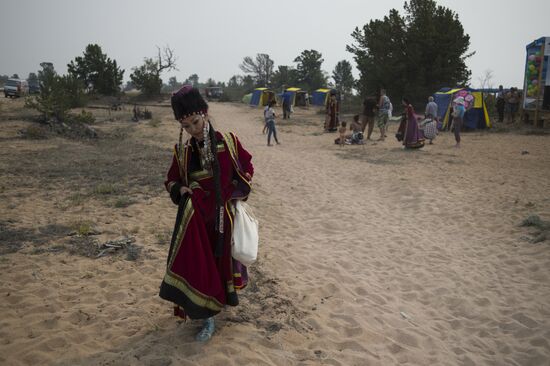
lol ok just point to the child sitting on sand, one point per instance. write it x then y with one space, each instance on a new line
342 132
356 131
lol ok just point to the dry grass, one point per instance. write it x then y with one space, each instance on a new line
111 171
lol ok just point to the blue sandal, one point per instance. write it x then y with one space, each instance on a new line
207 330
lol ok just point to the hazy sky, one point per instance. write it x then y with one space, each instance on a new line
211 37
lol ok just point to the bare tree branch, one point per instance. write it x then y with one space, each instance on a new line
261 68
166 61
485 81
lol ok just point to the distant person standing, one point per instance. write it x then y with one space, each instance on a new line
369 112
429 126
270 123
431 109
384 107
286 105
332 110
458 118
501 103
512 102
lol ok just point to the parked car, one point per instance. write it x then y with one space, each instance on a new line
16 88
34 88
213 92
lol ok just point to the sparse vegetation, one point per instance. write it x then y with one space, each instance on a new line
77 199
34 132
162 237
106 189
83 118
132 252
83 228
155 122
141 114
58 94
123 201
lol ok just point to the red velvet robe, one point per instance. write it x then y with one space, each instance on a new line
332 109
197 281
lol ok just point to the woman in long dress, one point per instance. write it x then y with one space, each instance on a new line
332 111
412 136
208 172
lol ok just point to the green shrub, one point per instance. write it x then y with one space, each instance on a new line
122 202
106 189
84 117
34 133
83 228
58 94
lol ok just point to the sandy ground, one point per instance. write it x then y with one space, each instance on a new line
370 255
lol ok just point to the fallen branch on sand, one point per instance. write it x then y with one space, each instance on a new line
127 243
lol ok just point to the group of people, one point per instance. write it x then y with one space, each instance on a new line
413 130
507 102
373 110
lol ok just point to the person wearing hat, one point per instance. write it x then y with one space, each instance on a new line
207 173
458 118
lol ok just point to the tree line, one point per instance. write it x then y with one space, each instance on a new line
412 54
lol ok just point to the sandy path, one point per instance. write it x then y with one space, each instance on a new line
369 256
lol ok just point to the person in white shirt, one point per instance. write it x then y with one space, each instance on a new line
269 115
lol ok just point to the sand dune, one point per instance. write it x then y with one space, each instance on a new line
370 255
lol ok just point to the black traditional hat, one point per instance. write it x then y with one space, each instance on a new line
187 102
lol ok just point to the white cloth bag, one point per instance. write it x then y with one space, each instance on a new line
245 235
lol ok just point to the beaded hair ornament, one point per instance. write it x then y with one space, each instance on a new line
186 102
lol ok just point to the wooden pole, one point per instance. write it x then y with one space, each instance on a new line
539 86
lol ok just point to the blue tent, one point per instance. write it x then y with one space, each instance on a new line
294 96
320 96
286 97
261 96
475 117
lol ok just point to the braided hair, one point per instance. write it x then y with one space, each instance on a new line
186 102
218 191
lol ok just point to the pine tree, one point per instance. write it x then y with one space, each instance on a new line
309 73
412 55
98 72
343 78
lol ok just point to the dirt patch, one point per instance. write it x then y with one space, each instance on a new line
90 247
267 308
13 238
